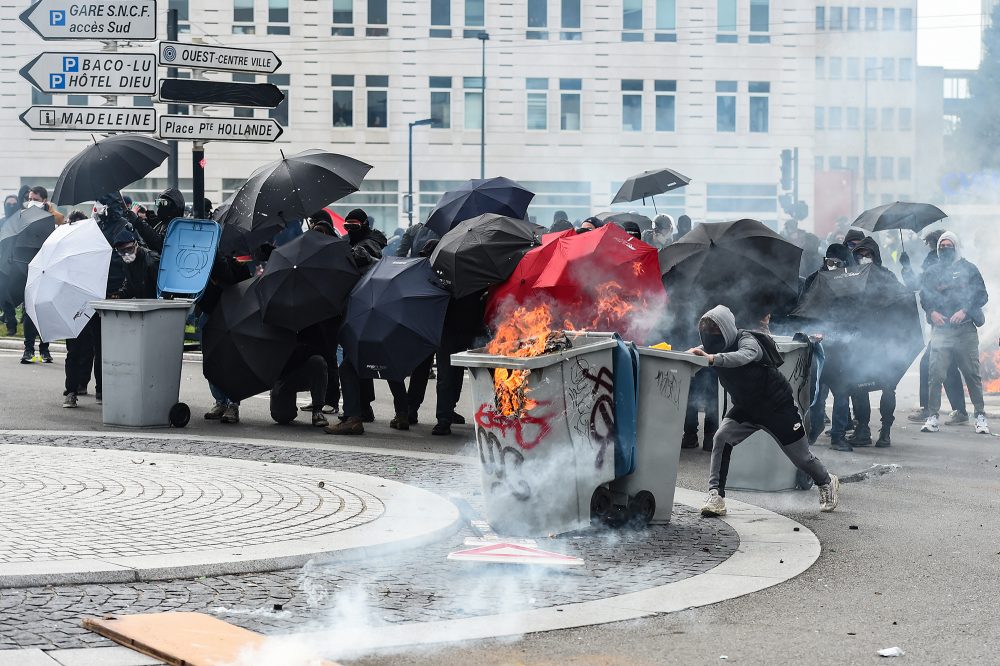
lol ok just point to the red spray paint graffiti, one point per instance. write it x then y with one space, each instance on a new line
528 430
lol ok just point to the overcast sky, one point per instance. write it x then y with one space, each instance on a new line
948 33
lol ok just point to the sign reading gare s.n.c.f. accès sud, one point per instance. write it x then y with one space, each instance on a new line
133 20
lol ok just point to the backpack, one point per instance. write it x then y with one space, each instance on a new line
772 356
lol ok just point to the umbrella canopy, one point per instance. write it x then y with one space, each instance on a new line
292 188
899 215
621 218
483 251
500 196
68 273
21 236
833 295
108 165
519 287
394 318
241 354
307 281
743 265
649 183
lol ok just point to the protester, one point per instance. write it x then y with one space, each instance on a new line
413 241
463 321
746 363
38 197
953 295
560 225
9 309
395 240
304 371
683 226
853 238
662 233
632 229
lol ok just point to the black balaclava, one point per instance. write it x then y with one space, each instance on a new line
10 205
169 204
356 224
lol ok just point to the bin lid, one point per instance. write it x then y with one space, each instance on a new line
673 355
188 254
786 343
142 304
478 358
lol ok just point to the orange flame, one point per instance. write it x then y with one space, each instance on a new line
522 335
613 308
637 268
990 364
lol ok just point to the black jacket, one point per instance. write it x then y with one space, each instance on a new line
367 246
948 288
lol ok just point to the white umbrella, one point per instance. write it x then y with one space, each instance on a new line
69 272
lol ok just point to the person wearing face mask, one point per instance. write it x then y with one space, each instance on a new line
853 238
38 197
10 205
747 365
953 295
9 317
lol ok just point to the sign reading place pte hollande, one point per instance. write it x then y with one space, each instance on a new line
133 20
218 58
93 73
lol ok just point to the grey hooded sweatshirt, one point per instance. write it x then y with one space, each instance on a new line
747 351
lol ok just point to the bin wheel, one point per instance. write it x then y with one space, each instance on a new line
179 415
641 508
600 505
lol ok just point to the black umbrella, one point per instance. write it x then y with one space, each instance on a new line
500 196
292 188
307 281
21 236
621 218
836 295
241 354
648 184
394 318
483 251
899 215
742 264
106 166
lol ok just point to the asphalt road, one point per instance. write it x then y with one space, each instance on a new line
921 571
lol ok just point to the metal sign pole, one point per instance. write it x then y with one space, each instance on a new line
172 159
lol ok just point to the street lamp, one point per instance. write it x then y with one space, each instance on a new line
864 166
409 207
483 37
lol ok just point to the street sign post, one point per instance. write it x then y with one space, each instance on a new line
93 73
207 128
218 58
220 93
105 20
90 119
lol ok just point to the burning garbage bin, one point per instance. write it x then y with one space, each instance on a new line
758 463
546 430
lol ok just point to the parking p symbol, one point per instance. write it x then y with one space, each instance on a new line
71 64
57 81
57 17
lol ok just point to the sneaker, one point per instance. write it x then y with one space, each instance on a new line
69 402
441 429
331 409
46 356
214 414
982 427
306 408
861 437
840 444
231 413
931 424
27 356
715 505
457 419
957 418
829 495
319 420
352 426
918 415
400 422
689 440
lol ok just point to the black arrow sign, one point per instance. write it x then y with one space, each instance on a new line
197 91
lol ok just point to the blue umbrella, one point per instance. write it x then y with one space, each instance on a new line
500 196
394 318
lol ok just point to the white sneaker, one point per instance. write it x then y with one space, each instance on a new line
715 505
931 424
829 495
982 427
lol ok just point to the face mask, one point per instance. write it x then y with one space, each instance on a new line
946 254
355 231
128 258
834 264
34 204
99 209
863 261
713 342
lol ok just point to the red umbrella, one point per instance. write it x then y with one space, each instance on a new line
337 221
519 287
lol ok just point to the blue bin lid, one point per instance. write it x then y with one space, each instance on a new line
188 254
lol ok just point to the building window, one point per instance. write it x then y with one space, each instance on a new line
853 18
569 103
725 106
871 18
473 86
77 100
631 20
905 119
906 69
475 17
440 16
537 108
666 105
820 118
343 18
538 17
242 111
886 168
888 18
759 106
903 166
853 69
666 20
821 17
871 118
38 97
906 19
182 14
142 101
870 168
836 18
281 112
441 101
818 163
760 21
836 163
726 22
377 94
888 118
570 20
741 198
836 68
853 118
871 68
243 17
888 69
835 117
820 67
343 100
378 18
632 105
852 164
277 17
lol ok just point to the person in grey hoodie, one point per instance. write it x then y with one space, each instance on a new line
746 363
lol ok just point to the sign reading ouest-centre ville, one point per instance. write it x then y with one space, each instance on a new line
90 119
93 73
207 128
219 58
108 20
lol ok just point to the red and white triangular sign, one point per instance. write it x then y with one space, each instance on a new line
512 553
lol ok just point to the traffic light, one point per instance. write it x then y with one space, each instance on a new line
786 169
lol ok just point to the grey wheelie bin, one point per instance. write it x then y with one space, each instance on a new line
539 470
758 463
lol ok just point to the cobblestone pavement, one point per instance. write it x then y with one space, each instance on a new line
412 586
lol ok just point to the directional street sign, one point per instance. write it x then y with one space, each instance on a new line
220 58
206 128
132 20
219 93
93 73
90 119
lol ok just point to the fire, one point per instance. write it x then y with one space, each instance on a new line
612 308
523 335
990 368
637 268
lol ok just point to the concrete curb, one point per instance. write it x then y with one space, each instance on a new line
59 348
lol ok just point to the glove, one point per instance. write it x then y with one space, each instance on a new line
361 257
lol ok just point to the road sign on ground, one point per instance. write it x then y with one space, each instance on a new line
220 58
93 73
206 128
90 119
505 552
94 19
220 93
